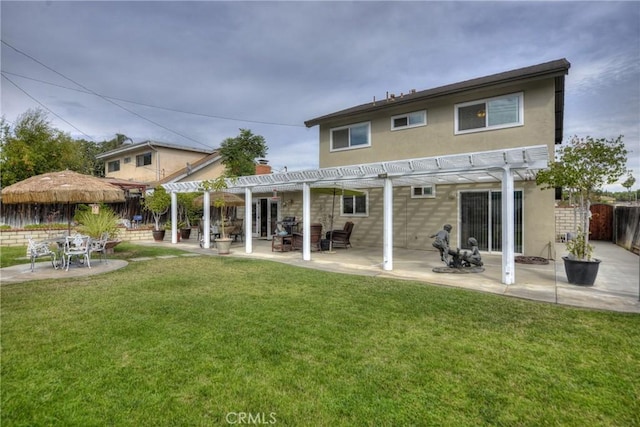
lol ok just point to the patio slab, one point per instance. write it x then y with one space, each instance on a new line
617 287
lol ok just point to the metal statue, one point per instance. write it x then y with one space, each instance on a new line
457 261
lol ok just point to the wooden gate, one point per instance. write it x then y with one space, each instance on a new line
601 225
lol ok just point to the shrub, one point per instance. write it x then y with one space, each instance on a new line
94 225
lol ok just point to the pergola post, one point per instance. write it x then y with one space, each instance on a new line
306 221
508 228
248 204
174 217
206 227
387 239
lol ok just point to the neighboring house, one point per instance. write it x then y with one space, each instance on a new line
518 108
154 162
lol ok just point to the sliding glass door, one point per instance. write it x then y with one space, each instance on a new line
481 217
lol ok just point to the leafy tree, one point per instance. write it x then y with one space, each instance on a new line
584 166
34 147
239 153
158 203
628 184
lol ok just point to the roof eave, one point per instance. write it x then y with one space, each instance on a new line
545 70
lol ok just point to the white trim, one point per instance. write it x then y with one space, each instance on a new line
409 125
432 194
520 121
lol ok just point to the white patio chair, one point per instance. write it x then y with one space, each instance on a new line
100 246
40 249
78 246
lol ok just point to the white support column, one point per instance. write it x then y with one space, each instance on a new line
206 227
306 222
174 217
508 229
248 206
387 240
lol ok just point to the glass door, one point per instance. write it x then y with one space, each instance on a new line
481 217
264 215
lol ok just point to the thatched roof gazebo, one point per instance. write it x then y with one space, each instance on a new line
62 187
65 187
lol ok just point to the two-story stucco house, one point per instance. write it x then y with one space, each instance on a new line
154 162
464 154
518 108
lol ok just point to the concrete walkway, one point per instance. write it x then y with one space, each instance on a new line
617 287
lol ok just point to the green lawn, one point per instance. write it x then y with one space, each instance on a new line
208 340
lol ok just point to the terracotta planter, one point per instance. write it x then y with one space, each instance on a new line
581 272
185 233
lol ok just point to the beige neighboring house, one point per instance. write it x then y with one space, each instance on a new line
154 163
517 108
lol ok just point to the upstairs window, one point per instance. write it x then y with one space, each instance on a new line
488 114
143 159
352 136
113 166
409 120
127 160
355 205
423 192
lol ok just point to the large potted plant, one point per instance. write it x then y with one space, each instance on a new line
158 203
218 185
186 213
582 167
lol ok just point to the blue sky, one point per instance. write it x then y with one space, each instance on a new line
215 67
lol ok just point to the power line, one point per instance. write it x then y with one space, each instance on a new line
45 107
212 116
102 97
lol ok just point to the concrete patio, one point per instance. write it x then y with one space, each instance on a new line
617 286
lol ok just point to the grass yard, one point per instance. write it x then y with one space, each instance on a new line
214 341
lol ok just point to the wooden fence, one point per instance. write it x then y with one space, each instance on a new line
627 227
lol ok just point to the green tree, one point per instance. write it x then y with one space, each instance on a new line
628 184
34 147
583 167
158 203
239 153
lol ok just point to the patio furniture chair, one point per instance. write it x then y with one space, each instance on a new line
77 246
237 230
40 249
315 238
340 238
100 246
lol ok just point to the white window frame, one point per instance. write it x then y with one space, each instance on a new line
431 194
423 113
355 214
350 147
520 121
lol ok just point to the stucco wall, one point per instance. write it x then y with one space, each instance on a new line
438 138
414 220
164 162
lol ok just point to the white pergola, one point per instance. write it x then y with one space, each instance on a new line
504 166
